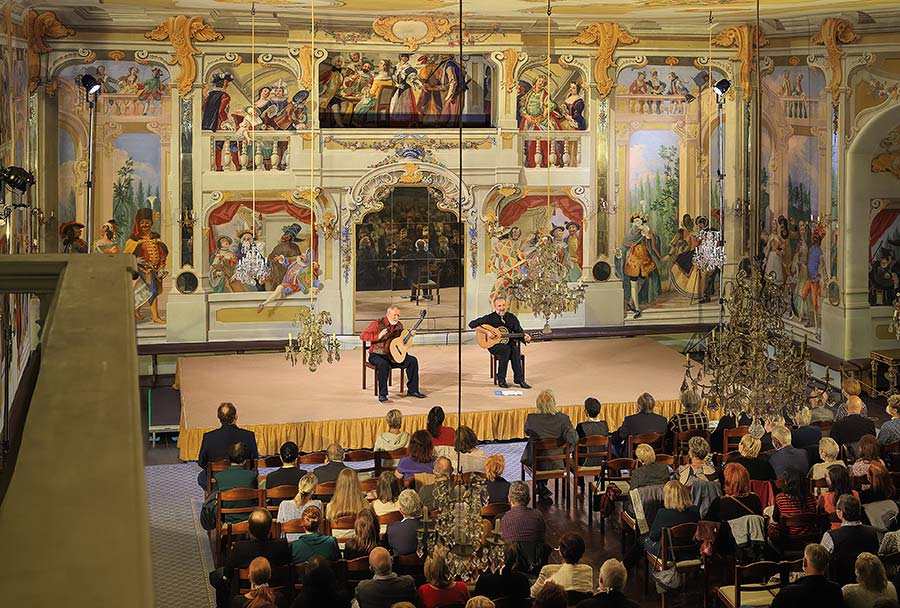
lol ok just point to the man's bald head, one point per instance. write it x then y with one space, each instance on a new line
380 561
260 524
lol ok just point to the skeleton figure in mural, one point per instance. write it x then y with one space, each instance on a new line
403 102
538 114
362 113
297 277
152 91
637 263
286 247
151 253
813 275
107 243
222 265
508 259
215 112
70 233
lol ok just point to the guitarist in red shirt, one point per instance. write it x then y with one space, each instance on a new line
380 333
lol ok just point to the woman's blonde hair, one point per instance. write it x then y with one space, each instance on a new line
893 403
306 488
749 446
348 498
645 453
480 601
698 447
546 402
494 466
851 386
437 573
870 572
676 496
828 448
394 419
854 404
803 417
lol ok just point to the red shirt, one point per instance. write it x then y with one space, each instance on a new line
370 334
446 436
432 596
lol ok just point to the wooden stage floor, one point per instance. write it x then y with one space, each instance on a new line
280 403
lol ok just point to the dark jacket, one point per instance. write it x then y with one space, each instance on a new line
277 551
512 585
642 422
849 542
284 477
401 537
609 599
385 592
851 429
548 426
651 474
498 490
215 446
509 321
789 456
592 429
759 469
307 598
814 590
804 436
329 472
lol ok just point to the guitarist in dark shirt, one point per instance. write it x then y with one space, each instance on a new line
504 352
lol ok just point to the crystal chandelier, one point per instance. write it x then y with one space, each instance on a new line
313 344
457 531
752 365
252 267
710 253
545 288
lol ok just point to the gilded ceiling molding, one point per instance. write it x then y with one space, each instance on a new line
304 57
742 37
509 58
413 31
181 31
39 27
607 36
835 32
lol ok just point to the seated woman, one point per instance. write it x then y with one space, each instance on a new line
365 537
348 499
571 575
649 472
440 434
881 487
850 387
507 582
805 434
547 423
288 474
677 509
737 502
393 438
419 456
259 594
758 468
313 542
838 484
890 430
440 588
497 487
293 509
828 452
871 586
467 453
386 493
698 468
794 499
866 453
321 587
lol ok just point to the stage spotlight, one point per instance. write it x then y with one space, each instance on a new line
91 85
722 87
17 178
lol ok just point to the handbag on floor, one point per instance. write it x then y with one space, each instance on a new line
669 579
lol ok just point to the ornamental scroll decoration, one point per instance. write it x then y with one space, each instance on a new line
413 31
182 31
38 27
510 58
742 37
304 57
607 36
833 33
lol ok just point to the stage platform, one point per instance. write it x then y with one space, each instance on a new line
281 403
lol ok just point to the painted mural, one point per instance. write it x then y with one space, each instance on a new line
884 254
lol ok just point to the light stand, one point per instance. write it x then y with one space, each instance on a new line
721 87
92 91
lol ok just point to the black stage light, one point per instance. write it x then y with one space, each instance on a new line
91 85
722 87
17 178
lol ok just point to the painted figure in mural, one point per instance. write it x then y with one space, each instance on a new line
706 279
639 86
637 263
537 114
279 105
801 107
331 80
297 278
573 250
655 86
431 98
131 84
680 92
257 154
453 83
286 247
365 109
152 91
70 233
403 102
774 252
813 286
151 253
508 260
108 243
215 112
883 281
107 84
787 86
222 265
573 108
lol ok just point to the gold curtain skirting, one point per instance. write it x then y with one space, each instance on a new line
488 425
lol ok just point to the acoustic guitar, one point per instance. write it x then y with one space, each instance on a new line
503 337
400 345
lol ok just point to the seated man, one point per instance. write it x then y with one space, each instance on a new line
215 443
851 428
379 334
849 540
786 455
235 476
644 421
385 588
288 474
443 468
402 536
506 353
525 529
611 583
276 550
814 588
334 464
313 542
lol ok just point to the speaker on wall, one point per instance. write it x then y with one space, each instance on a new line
601 271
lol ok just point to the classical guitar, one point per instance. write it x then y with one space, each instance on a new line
400 345
503 336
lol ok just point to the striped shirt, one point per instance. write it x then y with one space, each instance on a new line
684 421
522 523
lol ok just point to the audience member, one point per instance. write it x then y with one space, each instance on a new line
872 583
805 434
521 523
386 493
443 469
419 456
648 472
385 588
293 509
690 418
698 467
828 452
365 537
814 588
594 426
818 405
235 476
467 455
890 430
613 577
644 421
851 428
737 502
507 583
758 468
216 443
321 587
393 438
794 499
838 478
259 596
547 423
288 474
401 537
497 486
571 575
440 588
677 509
313 542
440 434
866 454
727 423
881 487
850 387
348 499
334 464
551 596
785 454
480 601
849 540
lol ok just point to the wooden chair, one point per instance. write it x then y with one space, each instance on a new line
412 565
792 545
357 570
366 365
274 496
389 518
680 440
753 585
361 456
677 541
428 277
282 580
731 438
594 448
494 510
345 522
560 465
315 458
666 459
324 491
298 574
268 462
654 440
387 461
494 364
253 498
370 484
611 473
293 526
212 468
